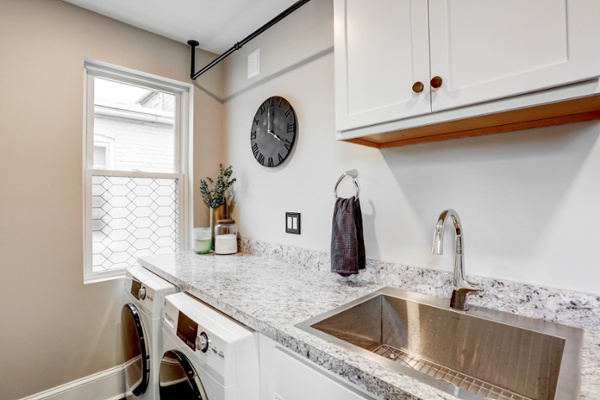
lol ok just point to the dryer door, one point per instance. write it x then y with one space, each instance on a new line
178 380
135 351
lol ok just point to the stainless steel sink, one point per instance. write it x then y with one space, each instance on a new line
476 354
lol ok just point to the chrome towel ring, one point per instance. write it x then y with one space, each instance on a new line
353 174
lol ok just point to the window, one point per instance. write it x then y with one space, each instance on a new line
103 152
135 168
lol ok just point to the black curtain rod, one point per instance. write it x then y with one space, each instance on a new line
238 45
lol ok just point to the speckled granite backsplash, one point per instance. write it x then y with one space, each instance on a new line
577 309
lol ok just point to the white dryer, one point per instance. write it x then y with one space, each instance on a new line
141 318
207 355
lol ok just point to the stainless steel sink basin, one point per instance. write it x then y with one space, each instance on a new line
476 354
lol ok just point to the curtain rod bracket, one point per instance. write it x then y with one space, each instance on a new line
193 43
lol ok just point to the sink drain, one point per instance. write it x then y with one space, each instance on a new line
456 378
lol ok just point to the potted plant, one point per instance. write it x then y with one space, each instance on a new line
214 195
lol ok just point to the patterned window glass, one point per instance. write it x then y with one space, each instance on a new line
131 218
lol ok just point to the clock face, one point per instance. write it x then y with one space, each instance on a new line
273 131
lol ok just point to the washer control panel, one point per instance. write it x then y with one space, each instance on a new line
193 336
140 291
142 288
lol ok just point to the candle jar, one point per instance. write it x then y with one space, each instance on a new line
201 238
226 237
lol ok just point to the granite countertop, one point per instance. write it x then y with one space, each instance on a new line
271 296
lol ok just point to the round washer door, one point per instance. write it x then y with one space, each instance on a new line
135 351
178 380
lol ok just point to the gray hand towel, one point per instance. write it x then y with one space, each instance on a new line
347 242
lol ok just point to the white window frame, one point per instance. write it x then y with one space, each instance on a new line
183 93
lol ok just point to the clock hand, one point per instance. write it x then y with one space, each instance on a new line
269 120
269 131
274 135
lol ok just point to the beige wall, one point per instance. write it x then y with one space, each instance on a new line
53 328
528 200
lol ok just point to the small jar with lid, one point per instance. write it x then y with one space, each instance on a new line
226 237
202 240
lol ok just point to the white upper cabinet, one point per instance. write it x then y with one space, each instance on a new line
490 49
381 50
482 50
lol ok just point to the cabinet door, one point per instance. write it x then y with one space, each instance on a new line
489 49
287 376
381 50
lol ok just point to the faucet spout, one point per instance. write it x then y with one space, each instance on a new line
461 288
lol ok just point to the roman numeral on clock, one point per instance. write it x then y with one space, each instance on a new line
255 149
291 128
261 158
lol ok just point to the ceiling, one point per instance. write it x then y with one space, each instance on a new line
216 24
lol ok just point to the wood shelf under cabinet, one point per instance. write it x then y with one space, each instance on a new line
574 110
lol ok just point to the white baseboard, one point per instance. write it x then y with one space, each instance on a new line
104 385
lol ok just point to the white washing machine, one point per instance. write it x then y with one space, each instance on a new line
207 355
141 319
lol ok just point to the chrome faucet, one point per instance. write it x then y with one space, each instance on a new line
460 287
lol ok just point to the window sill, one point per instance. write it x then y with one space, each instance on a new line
108 276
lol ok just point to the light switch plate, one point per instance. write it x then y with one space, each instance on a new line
254 63
292 222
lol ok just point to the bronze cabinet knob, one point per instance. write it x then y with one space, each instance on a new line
436 82
418 87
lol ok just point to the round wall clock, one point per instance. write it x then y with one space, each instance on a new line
273 131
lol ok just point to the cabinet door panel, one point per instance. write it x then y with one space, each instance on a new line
381 49
489 49
295 379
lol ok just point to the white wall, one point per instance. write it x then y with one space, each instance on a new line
53 328
527 199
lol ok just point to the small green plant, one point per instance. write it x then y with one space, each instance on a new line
216 196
